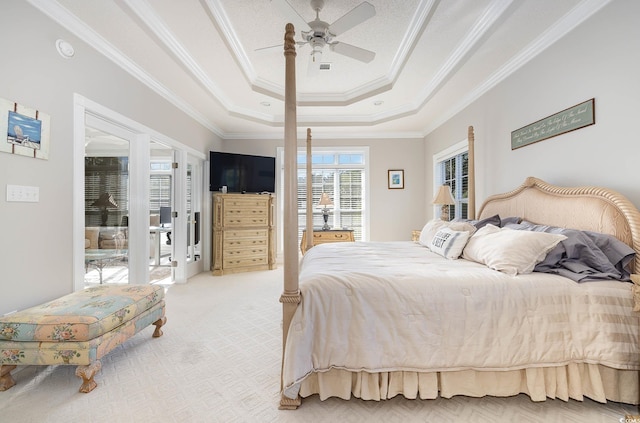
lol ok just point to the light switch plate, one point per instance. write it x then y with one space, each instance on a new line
21 193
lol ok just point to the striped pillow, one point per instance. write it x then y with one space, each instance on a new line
449 243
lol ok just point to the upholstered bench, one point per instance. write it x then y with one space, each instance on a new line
78 329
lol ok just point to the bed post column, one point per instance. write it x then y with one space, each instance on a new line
309 222
471 177
291 295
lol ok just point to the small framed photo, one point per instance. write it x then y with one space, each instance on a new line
396 179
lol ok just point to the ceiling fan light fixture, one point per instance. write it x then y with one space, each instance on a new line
318 33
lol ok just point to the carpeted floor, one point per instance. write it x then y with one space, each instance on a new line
219 361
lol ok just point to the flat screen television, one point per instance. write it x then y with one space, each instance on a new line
241 172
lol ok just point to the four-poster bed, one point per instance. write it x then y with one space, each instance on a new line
374 320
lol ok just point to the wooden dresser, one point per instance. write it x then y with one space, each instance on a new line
322 237
243 233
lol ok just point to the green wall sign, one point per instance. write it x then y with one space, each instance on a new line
570 119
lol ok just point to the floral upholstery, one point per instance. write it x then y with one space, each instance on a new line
76 352
80 316
78 329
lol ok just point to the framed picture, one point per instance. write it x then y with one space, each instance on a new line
26 130
396 179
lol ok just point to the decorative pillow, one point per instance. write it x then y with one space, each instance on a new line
493 220
449 243
433 226
510 251
509 220
584 255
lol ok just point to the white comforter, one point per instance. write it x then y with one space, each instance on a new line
397 306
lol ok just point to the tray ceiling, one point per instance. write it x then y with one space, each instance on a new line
432 58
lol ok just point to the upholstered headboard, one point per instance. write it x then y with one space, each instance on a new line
584 208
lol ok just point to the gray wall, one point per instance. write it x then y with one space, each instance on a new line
600 60
393 212
36 245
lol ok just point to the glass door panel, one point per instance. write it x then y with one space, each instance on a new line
160 208
191 217
194 215
106 199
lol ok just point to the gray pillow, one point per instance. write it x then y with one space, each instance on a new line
583 255
493 220
510 220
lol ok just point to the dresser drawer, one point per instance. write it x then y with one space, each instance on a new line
245 234
332 236
245 212
243 221
232 263
243 253
246 203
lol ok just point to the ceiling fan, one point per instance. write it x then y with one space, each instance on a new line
319 34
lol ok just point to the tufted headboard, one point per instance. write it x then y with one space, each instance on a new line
584 208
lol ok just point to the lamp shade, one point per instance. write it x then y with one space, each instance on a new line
106 200
444 196
325 200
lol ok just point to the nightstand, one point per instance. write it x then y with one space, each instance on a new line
322 237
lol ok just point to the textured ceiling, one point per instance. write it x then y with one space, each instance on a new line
432 58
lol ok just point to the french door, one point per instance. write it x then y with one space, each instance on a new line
116 172
125 219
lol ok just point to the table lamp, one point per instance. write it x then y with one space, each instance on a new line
325 202
445 199
104 202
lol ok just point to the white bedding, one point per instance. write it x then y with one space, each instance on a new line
396 306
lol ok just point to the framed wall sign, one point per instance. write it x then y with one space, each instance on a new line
570 119
396 179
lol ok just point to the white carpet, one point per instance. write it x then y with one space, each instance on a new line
219 361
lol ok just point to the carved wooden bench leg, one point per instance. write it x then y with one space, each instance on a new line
87 373
158 324
6 380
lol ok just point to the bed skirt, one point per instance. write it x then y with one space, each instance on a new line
575 381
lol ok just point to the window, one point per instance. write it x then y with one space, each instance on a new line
106 175
451 168
342 175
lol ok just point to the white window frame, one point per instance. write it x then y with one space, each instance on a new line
446 154
364 150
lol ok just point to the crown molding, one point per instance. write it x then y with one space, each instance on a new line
573 18
557 31
66 19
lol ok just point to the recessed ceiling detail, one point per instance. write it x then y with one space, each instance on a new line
428 59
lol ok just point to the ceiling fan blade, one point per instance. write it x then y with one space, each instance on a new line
291 15
270 47
352 51
280 46
355 16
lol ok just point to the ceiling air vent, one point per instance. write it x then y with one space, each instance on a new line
325 66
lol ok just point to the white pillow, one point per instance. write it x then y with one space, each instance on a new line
449 243
433 226
508 250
